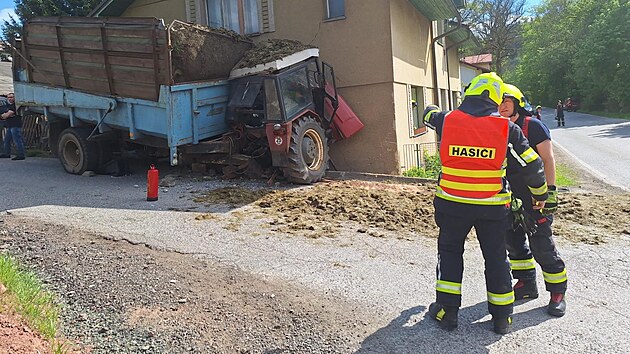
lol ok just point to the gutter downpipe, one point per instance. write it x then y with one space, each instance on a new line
448 74
436 89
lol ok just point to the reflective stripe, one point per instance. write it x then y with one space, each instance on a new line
529 155
483 187
497 199
522 264
448 287
428 115
515 155
540 190
501 299
555 278
469 173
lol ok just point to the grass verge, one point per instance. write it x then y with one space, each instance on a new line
565 176
609 114
30 300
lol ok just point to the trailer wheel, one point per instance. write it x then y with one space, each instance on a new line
76 154
308 152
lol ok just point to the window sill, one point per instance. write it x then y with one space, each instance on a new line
332 19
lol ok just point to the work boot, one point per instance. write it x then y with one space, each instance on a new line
525 289
502 324
18 158
445 315
557 306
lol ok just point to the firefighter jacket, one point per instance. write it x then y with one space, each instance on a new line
476 145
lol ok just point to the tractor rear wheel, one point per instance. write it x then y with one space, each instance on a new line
76 154
308 152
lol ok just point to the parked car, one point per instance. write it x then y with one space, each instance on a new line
6 57
571 104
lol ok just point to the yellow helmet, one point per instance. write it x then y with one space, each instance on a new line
490 82
514 92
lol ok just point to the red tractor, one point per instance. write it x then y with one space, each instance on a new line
571 104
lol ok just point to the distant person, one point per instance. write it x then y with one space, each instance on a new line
3 102
538 113
13 123
560 114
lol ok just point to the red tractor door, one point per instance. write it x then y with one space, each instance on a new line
346 122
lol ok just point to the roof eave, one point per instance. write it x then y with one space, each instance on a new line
436 10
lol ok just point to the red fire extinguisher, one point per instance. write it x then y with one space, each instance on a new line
153 177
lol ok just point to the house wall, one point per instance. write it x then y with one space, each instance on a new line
378 50
359 48
169 10
467 74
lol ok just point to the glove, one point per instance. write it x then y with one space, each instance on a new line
520 218
428 110
551 205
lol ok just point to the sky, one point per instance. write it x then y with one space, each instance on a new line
6 8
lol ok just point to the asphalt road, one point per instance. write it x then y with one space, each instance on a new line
393 277
601 144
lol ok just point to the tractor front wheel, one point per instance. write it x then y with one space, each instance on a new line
308 152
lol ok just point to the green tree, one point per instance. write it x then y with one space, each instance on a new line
577 48
497 23
27 9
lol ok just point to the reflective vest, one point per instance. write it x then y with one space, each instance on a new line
473 151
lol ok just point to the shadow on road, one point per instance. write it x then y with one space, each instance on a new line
617 131
411 332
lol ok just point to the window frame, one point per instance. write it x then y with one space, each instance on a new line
327 7
241 16
419 93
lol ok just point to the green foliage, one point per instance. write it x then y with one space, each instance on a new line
431 169
577 48
35 305
27 9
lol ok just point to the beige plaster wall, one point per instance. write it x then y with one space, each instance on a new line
359 48
169 10
411 39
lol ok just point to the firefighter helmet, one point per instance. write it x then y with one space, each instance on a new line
490 82
513 92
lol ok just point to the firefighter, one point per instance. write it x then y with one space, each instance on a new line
472 191
541 246
539 112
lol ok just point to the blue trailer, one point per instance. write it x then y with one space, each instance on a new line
184 114
107 85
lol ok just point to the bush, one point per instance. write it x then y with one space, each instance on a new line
431 169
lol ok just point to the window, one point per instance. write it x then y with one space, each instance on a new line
237 15
296 94
416 106
335 8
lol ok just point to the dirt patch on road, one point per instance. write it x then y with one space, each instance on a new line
379 209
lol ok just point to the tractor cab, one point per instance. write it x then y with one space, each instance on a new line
296 111
278 97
